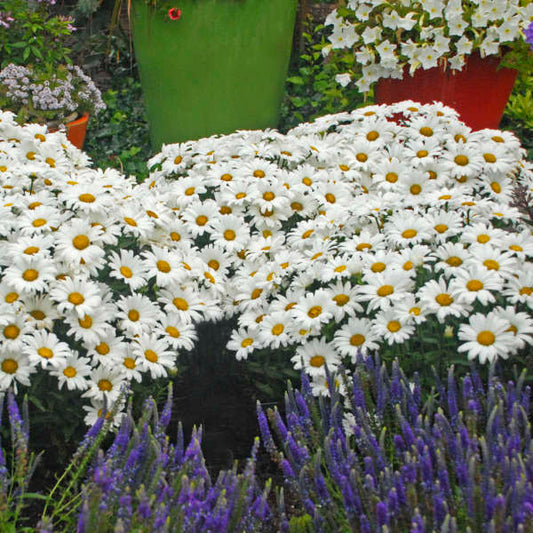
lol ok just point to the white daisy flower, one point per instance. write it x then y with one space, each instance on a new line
486 337
436 297
72 372
355 337
314 355
44 349
153 355
129 268
14 368
390 326
475 283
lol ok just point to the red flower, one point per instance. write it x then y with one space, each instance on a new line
174 13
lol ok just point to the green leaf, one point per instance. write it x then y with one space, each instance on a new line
296 80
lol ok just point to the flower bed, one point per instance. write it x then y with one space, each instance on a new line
388 228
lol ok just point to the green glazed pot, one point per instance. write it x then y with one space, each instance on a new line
220 67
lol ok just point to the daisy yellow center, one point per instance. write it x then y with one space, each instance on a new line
330 198
209 277
408 265
378 267
70 372
151 356
526 291
498 139
361 157
214 264
45 352
75 298
489 158
344 168
178 159
444 299
181 304
307 181
422 153
173 332
105 385
513 329
189 191
441 228
385 290
37 314
134 315
496 187
80 242
126 272
175 236
11 297
372 135
317 361
152 214
259 174
426 131
86 322
315 311
445 197
201 220
30 274
225 210
296 206
474 285
486 338
130 221
163 266
491 264
30 156
391 177
454 261
393 326
278 329
341 299
307 234
483 238
468 204
87 198
357 339
129 363
459 138
415 189
229 235
39 222
9 366
415 311
461 160
11 331
256 293
363 246
240 195
340 268
31 250
247 342
432 175
516 248
226 177
316 256
103 348
268 196
34 205
409 233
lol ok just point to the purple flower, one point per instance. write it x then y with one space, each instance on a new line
528 32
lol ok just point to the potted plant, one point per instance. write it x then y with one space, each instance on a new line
211 66
454 51
37 79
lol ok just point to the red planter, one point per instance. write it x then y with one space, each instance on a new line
479 92
77 129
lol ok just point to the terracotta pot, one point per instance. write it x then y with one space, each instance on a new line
479 92
77 129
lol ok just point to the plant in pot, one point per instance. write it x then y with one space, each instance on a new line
37 79
455 51
211 66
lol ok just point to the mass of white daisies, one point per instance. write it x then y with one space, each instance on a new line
351 234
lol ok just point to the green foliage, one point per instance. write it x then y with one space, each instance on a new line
518 115
32 34
311 89
118 137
